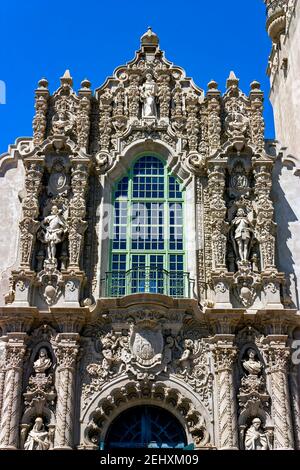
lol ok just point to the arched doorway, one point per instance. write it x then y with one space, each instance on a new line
145 427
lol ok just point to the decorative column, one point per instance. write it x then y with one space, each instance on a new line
277 357
41 105
265 227
9 428
66 349
257 123
266 235
219 229
83 119
214 117
295 402
2 370
77 214
224 354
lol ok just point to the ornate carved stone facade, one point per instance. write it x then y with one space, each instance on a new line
73 354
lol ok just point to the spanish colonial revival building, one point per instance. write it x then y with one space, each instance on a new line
150 260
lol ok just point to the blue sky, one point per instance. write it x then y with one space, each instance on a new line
207 39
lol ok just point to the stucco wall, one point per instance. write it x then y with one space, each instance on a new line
11 183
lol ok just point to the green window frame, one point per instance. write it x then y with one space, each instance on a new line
147 241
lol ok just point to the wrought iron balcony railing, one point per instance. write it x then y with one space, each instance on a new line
149 280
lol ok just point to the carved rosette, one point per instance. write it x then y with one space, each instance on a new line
224 354
277 359
66 348
11 408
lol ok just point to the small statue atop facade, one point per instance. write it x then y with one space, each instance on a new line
54 229
61 124
38 437
242 234
43 362
252 365
149 92
236 123
256 438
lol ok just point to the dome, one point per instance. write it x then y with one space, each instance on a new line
149 38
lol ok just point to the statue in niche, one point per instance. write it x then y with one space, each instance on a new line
242 234
236 122
54 229
61 123
149 92
43 362
252 365
256 438
38 437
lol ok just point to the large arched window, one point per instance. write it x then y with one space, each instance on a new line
145 427
147 252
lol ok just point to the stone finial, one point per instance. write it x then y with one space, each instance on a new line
66 79
213 85
255 86
149 38
85 83
43 84
232 80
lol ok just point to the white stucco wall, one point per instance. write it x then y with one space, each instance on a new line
11 183
285 90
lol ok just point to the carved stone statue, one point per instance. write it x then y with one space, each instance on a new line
149 92
186 356
242 234
61 123
38 437
54 229
43 362
256 438
252 365
236 123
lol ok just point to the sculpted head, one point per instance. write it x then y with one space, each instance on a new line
241 212
251 353
43 352
38 424
54 210
256 423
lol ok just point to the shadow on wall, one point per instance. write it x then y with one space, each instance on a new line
284 216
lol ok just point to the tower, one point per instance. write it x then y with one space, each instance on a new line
283 27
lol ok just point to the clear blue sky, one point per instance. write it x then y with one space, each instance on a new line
91 38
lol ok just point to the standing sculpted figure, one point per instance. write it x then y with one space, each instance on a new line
149 92
242 234
256 438
186 356
38 438
54 229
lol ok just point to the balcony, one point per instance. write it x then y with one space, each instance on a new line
148 280
276 12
